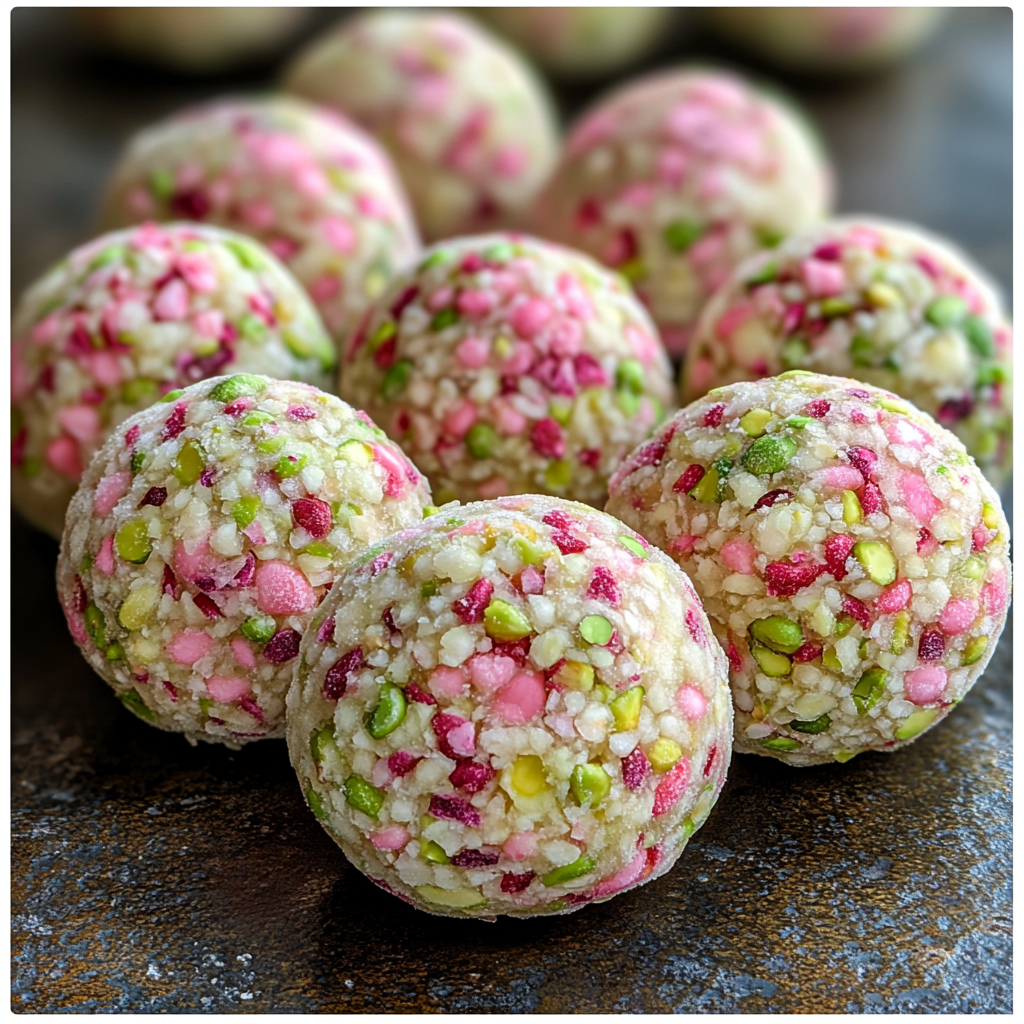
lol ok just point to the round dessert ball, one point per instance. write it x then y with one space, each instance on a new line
503 364
315 189
469 125
883 302
829 40
132 316
852 558
194 40
580 42
203 536
516 707
675 178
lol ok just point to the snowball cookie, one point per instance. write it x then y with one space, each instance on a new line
129 317
205 532
827 39
468 123
883 302
503 364
194 40
852 558
315 189
580 42
516 707
675 178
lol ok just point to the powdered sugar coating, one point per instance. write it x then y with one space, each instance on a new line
852 558
672 180
887 303
130 316
204 534
503 364
478 746
469 125
313 187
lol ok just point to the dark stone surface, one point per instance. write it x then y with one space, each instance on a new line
150 876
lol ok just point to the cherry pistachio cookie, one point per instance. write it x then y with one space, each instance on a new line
204 534
851 556
516 707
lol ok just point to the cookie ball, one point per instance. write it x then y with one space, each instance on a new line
194 40
580 42
132 316
469 125
672 180
516 707
851 556
882 302
205 533
827 40
315 189
503 364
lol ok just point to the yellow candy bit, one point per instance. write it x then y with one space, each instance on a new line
882 294
528 776
852 512
626 708
755 421
525 529
139 605
990 516
576 675
664 754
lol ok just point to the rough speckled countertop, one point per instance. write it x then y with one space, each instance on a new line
150 876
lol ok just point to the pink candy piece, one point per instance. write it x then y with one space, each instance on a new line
105 368
209 323
958 615
519 845
171 302
109 491
823 278
281 589
732 320
397 482
394 837
918 497
894 598
228 688
460 419
104 561
490 672
188 647
995 593
462 739
841 478
532 581
508 420
82 422
924 685
739 554
473 352
474 303
530 316
623 877
521 698
900 430
447 682
684 542
243 653
495 487
198 271
62 455
339 234
692 703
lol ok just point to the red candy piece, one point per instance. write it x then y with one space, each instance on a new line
154 496
603 586
175 423
548 438
769 499
931 646
710 762
558 519
475 858
206 605
401 762
442 724
338 675
864 459
837 551
871 498
282 647
313 515
692 476
512 883
452 808
567 543
808 652
671 788
635 768
471 776
471 607
414 693
857 610
713 416
784 579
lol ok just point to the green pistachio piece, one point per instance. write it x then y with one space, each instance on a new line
596 629
869 689
842 756
603 693
974 650
429 850
315 803
480 440
576 675
626 708
389 713
755 421
428 588
819 724
319 740
291 465
790 374
256 418
862 350
778 633
137 390
115 652
589 783
133 542
529 553
245 510
387 330
395 379
783 743
844 623
259 628
557 474
632 545
271 445
172 396
582 865
362 796
630 376
95 626
770 662
706 489
900 638
979 336
769 454
445 318
830 661
189 465
247 254
318 550
681 234
891 405
797 422
459 899
916 723
832 307
239 386
503 621
768 273
945 311
877 560
134 703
